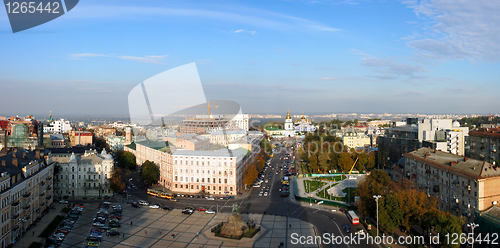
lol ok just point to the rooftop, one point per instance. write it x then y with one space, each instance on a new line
488 133
462 165
216 153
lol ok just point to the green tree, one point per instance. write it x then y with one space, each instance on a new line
126 159
323 162
371 161
445 223
150 172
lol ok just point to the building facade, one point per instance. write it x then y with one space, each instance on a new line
84 174
485 145
26 182
461 185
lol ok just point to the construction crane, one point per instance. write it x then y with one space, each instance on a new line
208 103
353 166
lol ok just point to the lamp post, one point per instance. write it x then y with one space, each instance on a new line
22 227
472 226
376 200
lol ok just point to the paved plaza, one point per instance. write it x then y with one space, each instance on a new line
147 227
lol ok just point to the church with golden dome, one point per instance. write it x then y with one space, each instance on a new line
299 127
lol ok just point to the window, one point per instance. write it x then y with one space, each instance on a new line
197 186
208 187
181 186
181 179
175 185
79 169
202 179
220 181
230 188
73 177
230 173
225 181
192 186
72 168
79 176
175 179
220 188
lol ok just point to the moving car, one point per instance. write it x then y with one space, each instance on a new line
145 203
187 211
209 211
155 206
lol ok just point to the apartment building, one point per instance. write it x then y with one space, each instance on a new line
462 185
82 173
485 145
353 139
217 172
26 185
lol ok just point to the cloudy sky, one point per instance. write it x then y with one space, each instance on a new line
434 56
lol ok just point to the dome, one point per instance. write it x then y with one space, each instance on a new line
73 157
103 153
108 157
456 124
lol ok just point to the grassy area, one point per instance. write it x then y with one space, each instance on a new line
310 185
251 232
66 210
36 245
334 179
324 193
51 227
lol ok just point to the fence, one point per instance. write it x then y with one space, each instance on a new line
326 202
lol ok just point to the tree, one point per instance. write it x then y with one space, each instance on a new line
126 159
116 180
371 161
345 161
323 162
313 163
250 175
150 172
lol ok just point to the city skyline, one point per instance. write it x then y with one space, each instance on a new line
311 56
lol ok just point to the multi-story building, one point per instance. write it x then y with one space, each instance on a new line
460 184
205 123
404 137
83 138
354 140
82 172
485 145
216 172
115 143
26 185
58 126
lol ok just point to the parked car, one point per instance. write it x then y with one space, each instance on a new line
166 208
187 211
136 205
211 198
210 211
145 203
114 224
202 209
65 231
92 243
63 202
154 206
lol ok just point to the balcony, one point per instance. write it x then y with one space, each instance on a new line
49 188
41 194
26 207
91 180
42 183
14 204
15 216
48 197
26 195
92 172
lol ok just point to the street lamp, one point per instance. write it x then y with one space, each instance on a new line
376 200
22 227
473 226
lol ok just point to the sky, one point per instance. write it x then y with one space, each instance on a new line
316 56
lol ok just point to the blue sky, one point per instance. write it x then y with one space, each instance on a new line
315 56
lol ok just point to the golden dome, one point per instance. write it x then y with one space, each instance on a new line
302 118
288 115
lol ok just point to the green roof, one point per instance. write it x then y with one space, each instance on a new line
131 146
273 129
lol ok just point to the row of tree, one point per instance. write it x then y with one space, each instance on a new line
403 204
326 153
255 167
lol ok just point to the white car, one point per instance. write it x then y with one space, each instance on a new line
211 198
360 231
154 206
209 211
63 202
265 194
145 203
260 193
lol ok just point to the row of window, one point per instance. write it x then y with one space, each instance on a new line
198 180
79 185
80 177
203 172
198 187
105 168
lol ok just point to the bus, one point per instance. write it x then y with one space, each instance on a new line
353 217
166 195
153 192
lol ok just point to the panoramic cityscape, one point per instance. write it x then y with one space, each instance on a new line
284 123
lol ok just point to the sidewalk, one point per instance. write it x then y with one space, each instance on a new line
29 238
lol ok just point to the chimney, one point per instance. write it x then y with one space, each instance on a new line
14 162
4 164
465 159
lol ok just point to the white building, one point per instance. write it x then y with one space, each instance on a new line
58 126
289 128
83 175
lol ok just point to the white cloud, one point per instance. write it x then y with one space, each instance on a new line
244 31
154 59
459 29
392 66
240 14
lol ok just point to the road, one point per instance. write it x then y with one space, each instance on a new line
325 221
